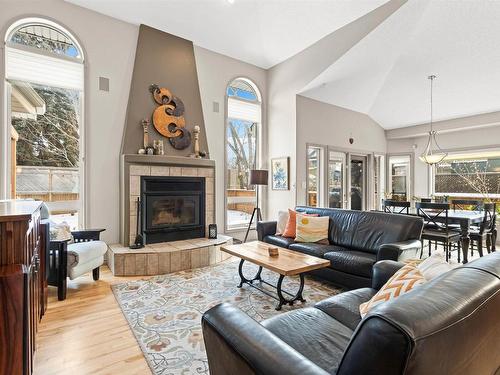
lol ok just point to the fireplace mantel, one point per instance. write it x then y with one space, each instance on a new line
133 166
168 160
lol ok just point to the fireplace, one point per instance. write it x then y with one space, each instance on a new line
173 208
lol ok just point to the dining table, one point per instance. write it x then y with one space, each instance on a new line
465 219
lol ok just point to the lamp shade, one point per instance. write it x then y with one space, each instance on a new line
258 177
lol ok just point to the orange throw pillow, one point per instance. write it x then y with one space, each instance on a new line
291 225
404 280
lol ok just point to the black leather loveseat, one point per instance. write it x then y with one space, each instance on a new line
357 239
447 326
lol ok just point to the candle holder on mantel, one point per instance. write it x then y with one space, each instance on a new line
196 143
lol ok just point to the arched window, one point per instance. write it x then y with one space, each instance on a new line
242 150
44 75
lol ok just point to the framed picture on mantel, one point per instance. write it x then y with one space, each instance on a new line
280 178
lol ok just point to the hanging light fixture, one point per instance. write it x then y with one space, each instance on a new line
432 153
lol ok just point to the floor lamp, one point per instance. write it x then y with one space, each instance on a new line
258 177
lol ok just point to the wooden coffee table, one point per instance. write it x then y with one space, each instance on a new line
287 263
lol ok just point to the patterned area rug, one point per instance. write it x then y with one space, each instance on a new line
165 312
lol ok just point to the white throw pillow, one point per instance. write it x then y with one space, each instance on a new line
434 266
281 224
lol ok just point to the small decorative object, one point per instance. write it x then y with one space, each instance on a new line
280 174
145 140
196 144
273 251
150 150
168 117
203 154
433 154
257 177
158 147
351 140
212 231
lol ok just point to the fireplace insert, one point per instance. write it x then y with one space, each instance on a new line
173 208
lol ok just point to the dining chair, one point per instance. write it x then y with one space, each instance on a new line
391 206
436 228
484 231
467 204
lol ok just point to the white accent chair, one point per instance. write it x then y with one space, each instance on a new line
72 260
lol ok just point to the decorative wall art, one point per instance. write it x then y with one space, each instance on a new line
168 117
280 179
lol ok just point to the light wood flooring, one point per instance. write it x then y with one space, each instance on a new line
87 333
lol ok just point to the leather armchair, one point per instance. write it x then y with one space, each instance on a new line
261 352
448 325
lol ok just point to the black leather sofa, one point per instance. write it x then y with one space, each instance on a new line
358 239
449 325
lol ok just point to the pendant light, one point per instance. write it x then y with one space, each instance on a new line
432 153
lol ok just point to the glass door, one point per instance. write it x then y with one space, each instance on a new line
399 177
358 182
314 176
336 179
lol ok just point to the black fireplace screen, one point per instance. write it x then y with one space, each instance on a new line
173 208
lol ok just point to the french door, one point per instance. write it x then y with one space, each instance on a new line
336 179
357 182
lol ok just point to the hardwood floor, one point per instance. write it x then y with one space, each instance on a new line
87 333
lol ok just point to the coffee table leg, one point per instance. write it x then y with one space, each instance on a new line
282 299
243 279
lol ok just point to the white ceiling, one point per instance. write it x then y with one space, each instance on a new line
385 75
260 32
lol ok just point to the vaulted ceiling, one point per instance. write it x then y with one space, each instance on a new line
260 32
384 75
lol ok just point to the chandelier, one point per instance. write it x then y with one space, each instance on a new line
432 153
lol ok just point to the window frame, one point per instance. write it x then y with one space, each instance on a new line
5 179
258 147
432 175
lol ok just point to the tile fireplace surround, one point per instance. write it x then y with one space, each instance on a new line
167 256
135 166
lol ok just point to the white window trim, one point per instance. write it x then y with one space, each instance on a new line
259 132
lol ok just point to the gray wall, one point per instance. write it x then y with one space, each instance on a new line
109 46
168 61
329 125
215 71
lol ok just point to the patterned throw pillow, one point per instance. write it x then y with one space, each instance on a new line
281 224
312 229
404 280
291 225
60 231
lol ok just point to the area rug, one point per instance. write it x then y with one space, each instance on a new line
164 312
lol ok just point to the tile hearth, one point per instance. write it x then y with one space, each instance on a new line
167 257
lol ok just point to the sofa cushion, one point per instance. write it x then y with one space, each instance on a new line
314 249
313 333
278 240
351 261
83 252
345 306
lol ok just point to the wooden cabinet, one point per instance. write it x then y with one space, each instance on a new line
22 286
